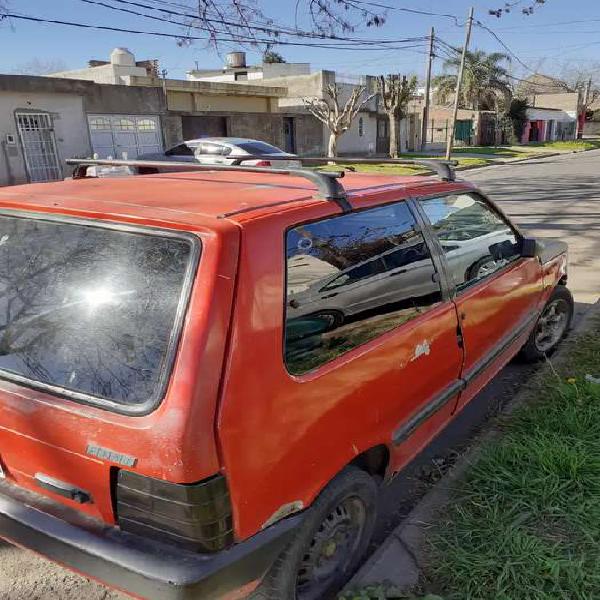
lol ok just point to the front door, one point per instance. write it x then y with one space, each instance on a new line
497 292
382 143
289 135
463 131
36 132
534 131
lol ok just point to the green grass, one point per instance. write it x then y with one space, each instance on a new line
525 522
503 151
391 169
568 145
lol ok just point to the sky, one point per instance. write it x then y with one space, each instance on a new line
560 34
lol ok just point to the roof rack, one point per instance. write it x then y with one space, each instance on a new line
327 183
444 169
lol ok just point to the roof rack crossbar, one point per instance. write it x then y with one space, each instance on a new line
327 183
444 169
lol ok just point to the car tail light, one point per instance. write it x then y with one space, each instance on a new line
195 516
263 163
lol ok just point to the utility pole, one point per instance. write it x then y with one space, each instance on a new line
450 140
588 89
163 75
427 92
586 101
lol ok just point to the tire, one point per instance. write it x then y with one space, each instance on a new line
473 270
337 317
289 578
539 346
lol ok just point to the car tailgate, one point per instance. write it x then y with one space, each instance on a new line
104 333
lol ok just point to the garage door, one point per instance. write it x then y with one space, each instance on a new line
124 135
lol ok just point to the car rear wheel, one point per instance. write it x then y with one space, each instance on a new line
482 268
330 543
551 327
335 317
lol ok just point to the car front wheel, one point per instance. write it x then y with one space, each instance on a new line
330 543
551 327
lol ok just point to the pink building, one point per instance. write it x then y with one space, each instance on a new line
549 124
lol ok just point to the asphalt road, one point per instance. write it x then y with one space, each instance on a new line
554 197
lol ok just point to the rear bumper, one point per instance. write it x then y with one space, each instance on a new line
133 564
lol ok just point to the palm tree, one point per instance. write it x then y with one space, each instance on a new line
485 83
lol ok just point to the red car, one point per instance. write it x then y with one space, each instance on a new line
204 377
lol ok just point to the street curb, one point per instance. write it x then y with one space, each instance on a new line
504 162
397 561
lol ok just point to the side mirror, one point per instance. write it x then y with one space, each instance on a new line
529 247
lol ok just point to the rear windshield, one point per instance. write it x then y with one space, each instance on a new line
259 148
88 309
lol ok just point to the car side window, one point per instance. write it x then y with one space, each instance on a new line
476 240
211 149
350 279
181 150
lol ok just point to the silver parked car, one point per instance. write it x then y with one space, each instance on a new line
218 150
371 284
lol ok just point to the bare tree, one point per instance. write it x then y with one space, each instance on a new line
246 23
333 115
583 77
527 10
395 92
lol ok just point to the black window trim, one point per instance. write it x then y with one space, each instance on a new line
421 226
142 409
192 146
434 242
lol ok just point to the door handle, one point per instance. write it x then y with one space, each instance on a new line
398 273
62 489
331 295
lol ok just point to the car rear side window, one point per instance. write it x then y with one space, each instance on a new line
182 150
476 240
92 311
258 148
352 278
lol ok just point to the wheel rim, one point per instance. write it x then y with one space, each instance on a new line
486 269
551 325
331 549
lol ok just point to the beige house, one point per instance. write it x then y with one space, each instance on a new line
369 132
217 106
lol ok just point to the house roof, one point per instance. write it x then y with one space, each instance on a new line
538 83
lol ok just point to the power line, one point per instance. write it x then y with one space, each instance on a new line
457 20
501 42
179 37
539 25
275 31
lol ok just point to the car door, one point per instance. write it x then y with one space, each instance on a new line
398 341
497 292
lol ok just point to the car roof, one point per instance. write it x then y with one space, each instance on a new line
203 197
234 141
